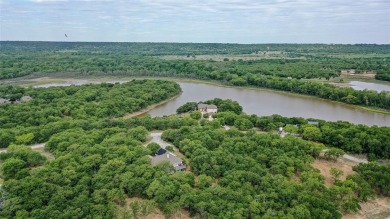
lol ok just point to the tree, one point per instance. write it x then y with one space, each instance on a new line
24 139
11 167
312 133
196 115
292 129
153 147
165 166
336 173
187 107
204 181
333 153
243 124
169 148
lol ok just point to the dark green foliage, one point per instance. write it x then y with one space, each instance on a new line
243 124
91 171
169 148
142 59
239 175
254 173
375 141
378 176
196 115
11 166
226 105
187 107
153 147
56 108
26 154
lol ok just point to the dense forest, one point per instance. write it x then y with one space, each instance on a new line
248 171
54 108
289 71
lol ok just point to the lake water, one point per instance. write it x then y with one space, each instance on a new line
358 85
262 103
265 102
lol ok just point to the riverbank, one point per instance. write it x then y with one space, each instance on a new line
144 111
56 79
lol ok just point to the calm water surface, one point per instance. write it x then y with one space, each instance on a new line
359 85
264 103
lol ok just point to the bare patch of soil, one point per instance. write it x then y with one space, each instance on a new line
342 164
156 213
378 208
351 72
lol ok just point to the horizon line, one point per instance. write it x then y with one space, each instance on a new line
151 42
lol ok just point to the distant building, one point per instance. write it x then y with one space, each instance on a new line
176 162
3 101
202 107
210 109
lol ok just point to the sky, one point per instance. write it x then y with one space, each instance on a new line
201 21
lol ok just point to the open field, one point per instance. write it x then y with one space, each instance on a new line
156 213
228 57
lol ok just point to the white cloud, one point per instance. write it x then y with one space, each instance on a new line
207 20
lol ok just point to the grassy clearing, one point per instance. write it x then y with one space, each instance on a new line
342 164
223 57
378 208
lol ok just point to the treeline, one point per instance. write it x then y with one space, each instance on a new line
377 175
153 49
56 108
316 61
373 141
93 63
262 73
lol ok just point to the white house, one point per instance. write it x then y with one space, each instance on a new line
210 109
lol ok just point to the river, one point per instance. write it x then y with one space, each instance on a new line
359 85
266 102
262 103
